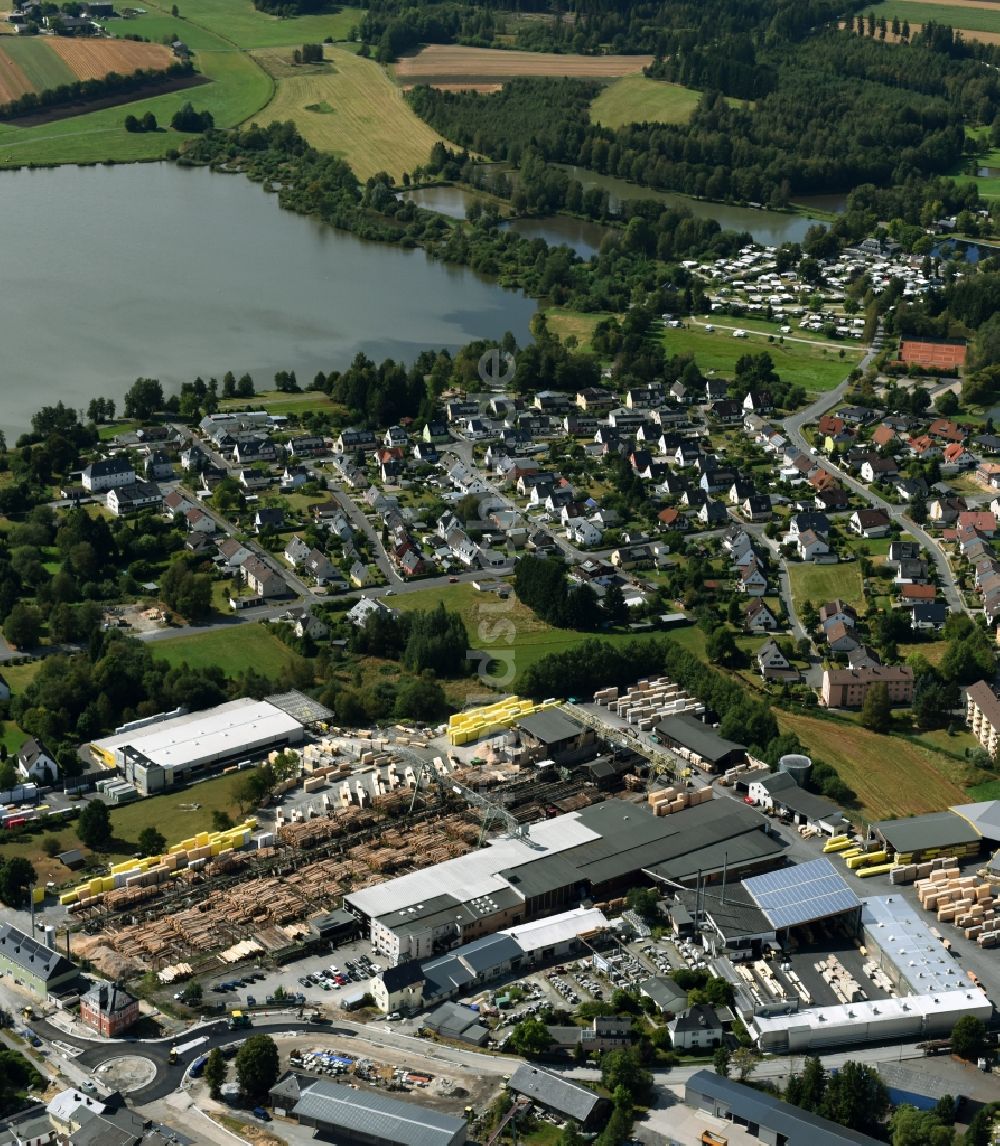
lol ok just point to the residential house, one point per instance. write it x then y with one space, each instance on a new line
134 498
252 479
757 507
697 1028
198 521
108 1009
5 690
175 503
840 637
902 551
752 582
948 431
810 546
262 580
945 510
583 532
758 618
930 615
911 594
294 477
395 436
633 557
671 519
157 466
847 688
809 521
878 469
884 436
912 571
108 473
436 433
712 513
296 551
758 402
253 449
727 411
832 499
233 553
870 523
35 762
957 458
361 575
594 400
984 523
774 665
837 610
354 438
924 447
306 446
367 606
715 388
268 519
830 424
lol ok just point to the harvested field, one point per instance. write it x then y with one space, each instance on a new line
637 99
93 59
892 776
350 107
977 20
454 65
13 81
39 64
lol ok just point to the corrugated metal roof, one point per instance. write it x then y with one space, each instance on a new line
553 1092
383 1119
934 830
767 1111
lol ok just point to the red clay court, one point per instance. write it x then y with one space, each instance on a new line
932 355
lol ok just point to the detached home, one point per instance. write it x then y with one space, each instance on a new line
870 523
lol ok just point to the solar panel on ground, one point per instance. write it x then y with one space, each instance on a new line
801 894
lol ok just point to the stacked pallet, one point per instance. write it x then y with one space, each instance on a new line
840 980
904 873
965 901
648 702
669 800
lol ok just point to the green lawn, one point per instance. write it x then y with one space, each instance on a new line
40 64
240 22
990 790
815 365
821 583
637 99
20 676
172 813
234 649
281 402
972 19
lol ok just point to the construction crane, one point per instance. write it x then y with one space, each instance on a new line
492 809
629 738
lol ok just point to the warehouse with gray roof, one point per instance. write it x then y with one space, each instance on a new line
699 743
365 1118
937 833
560 1095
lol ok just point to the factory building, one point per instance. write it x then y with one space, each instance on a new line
700 744
595 853
157 754
919 838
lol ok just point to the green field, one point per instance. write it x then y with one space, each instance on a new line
221 33
892 775
965 16
990 790
821 583
815 365
234 649
350 107
40 64
637 99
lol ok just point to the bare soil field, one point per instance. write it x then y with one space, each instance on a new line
93 59
13 82
451 65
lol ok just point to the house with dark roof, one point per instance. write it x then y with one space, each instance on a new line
696 1028
108 1009
36 762
400 988
869 523
107 473
33 964
344 1114
703 745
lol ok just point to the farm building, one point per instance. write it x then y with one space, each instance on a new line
704 746
168 750
932 353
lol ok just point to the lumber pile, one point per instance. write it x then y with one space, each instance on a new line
669 800
962 900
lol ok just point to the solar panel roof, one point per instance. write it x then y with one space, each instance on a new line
801 894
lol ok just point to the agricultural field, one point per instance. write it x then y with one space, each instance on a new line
821 583
892 776
283 402
978 19
350 107
243 646
451 65
637 99
36 63
815 365
92 59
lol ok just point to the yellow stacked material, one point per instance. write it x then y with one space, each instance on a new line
37 895
468 727
68 897
837 844
851 853
875 869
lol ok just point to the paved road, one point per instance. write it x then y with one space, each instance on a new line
793 427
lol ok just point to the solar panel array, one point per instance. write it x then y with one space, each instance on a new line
801 894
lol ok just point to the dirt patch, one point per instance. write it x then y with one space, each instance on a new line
93 59
453 65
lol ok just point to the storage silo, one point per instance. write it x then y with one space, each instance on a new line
797 766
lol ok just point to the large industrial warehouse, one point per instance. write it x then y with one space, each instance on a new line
163 752
594 853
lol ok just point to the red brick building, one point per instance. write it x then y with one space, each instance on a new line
108 1009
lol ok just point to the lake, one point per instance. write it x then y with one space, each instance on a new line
580 235
112 273
769 228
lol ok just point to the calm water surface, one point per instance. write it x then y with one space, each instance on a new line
110 273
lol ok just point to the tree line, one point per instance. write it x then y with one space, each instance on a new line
78 91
